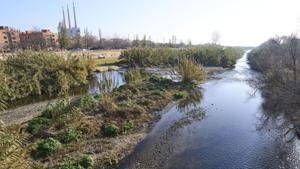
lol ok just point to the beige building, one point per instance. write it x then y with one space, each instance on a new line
9 39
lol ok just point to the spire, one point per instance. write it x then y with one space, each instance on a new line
74 13
69 17
64 18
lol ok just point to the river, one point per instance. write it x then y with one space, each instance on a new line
223 129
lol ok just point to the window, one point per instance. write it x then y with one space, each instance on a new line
4 37
6 41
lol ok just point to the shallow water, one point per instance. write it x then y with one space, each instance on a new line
224 129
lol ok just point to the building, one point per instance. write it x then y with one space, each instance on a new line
37 40
9 39
72 32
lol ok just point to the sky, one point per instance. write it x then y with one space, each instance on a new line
239 22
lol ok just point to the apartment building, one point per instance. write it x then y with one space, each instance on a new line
36 40
9 39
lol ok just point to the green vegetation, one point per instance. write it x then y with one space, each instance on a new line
84 162
110 130
44 73
107 61
128 125
87 101
208 55
71 134
64 41
112 162
180 95
47 147
36 124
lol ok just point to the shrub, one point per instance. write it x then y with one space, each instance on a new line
87 162
180 95
48 113
110 130
84 162
86 101
36 124
107 103
47 147
128 126
71 135
112 162
189 70
41 73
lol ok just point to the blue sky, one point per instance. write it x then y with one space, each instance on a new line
239 22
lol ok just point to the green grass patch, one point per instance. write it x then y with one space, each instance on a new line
107 61
180 95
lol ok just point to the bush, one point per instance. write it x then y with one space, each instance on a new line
48 113
110 130
85 162
41 73
128 126
36 124
189 70
86 101
107 103
47 147
112 162
180 95
71 135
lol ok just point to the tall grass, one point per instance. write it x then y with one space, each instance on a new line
190 70
208 55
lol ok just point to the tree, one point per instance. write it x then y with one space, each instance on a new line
88 40
144 42
63 39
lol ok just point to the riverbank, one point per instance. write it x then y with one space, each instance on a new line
108 126
25 113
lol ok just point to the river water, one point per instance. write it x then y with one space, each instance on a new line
223 128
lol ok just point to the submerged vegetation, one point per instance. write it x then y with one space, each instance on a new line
208 55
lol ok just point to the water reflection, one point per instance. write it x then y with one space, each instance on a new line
115 76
